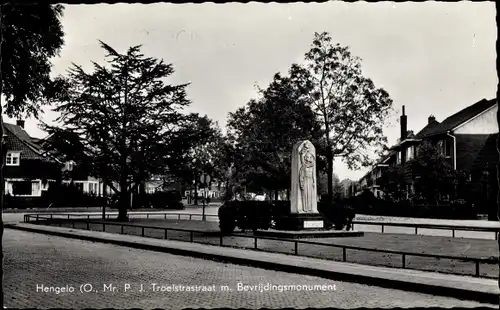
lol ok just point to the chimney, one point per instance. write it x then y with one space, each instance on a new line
404 128
20 123
431 119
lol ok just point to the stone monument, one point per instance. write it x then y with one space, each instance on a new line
303 196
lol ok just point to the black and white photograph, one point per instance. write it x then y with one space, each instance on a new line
249 155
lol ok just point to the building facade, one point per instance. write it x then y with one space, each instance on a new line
467 139
28 170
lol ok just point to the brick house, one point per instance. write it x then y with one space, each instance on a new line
28 169
467 138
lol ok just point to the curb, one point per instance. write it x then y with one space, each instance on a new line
431 289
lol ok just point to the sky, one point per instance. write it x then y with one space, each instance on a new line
432 57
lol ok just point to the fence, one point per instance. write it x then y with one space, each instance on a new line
39 217
453 228
190 216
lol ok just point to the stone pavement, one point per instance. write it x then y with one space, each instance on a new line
470 288
33 260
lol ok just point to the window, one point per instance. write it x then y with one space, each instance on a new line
444 147
21 188
93 188
13 159
409 153
398 160
447 148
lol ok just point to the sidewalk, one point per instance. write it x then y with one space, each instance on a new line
99 209
468 288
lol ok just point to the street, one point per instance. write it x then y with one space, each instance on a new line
61 269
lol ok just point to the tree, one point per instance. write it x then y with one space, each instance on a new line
203 156
323 184
30 35
265 131
129 121
434 174
350 109
393 183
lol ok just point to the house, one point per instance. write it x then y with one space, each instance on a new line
28 169
371 180
72 173
467 139
348 188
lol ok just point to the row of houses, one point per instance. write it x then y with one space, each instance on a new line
467 139
30 168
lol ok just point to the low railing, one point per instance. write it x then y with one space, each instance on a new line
404 255
416 226
148 215
453 228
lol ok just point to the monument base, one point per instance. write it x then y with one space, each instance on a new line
307 221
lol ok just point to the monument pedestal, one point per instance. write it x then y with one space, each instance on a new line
304 221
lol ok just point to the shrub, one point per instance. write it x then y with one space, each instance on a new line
245 215
227 218
337 213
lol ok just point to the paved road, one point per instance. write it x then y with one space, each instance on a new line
33 260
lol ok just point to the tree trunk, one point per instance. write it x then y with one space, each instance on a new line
276 194
288 194
227 196
195 190
104 195
329 173
142 195
124 199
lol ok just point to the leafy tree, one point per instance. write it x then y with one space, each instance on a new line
392 183
323 184
350 109
434 174
203 156
128 120
266 130
30 35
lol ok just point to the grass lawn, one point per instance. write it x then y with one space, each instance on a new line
209 234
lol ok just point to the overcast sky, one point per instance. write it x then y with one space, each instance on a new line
433 57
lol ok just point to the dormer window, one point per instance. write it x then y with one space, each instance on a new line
13 159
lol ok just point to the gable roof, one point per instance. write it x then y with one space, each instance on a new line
428 128
17 139
460 117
